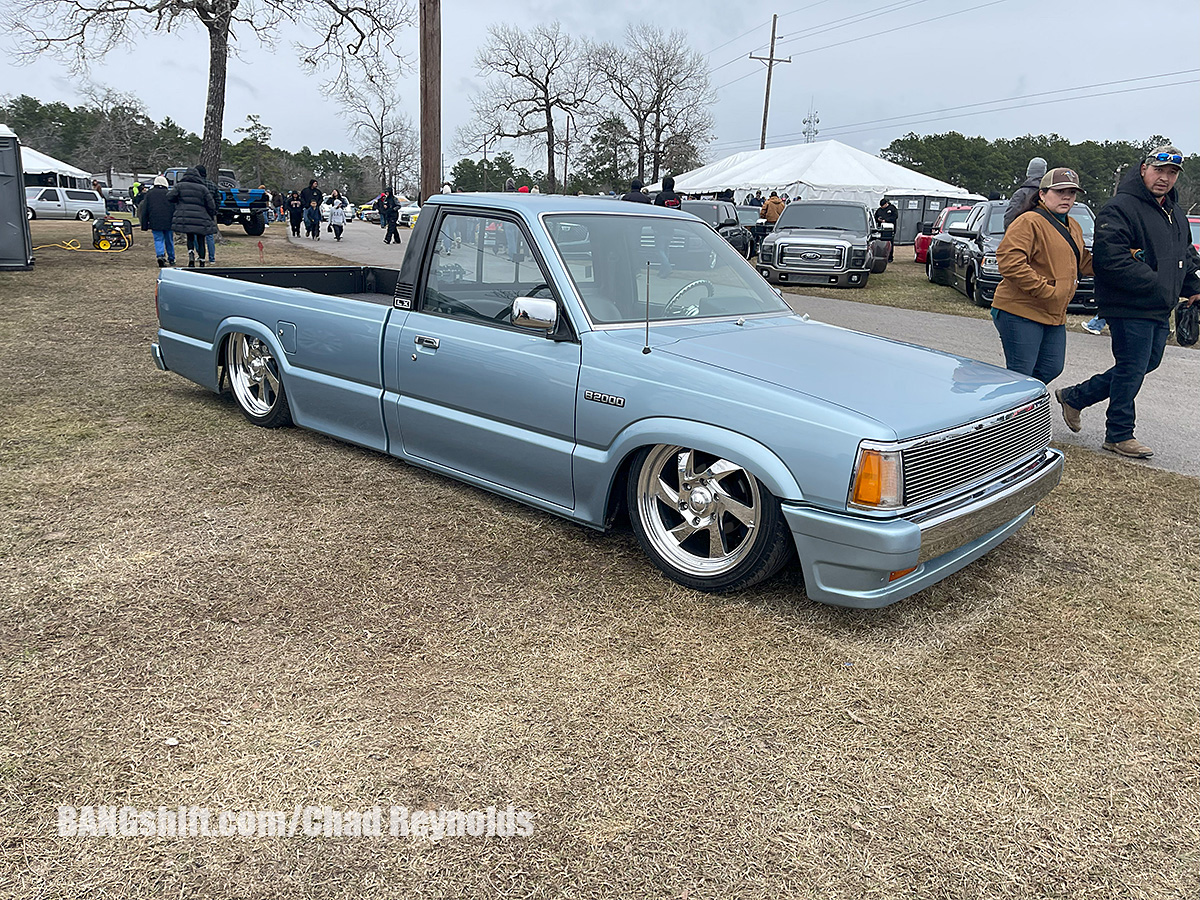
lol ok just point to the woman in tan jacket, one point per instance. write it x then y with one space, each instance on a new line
1041 258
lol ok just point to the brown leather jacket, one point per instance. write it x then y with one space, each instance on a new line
772 209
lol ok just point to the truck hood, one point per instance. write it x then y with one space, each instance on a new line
908 389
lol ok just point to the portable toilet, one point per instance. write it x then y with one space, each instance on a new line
16 244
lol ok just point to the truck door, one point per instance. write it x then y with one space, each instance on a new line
476 393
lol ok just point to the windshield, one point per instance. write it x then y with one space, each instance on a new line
996 219
1086 220
954 217
748 215
620 264
712 213
824 215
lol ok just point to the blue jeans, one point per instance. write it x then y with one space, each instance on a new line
164 244
1137 348
211 240
1030 347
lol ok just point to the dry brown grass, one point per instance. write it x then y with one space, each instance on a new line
315 623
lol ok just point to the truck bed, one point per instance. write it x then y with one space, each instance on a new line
369 284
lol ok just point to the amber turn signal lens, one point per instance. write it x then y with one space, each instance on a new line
901 573
877 479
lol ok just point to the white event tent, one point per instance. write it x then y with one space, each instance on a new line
826 170
43 169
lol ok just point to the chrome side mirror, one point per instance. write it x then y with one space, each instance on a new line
535 313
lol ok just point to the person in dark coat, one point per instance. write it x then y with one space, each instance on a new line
1142 255
311 193
312 220
667 196
635 194
1025 198
195 212
211 238
156 212
888 213
295 212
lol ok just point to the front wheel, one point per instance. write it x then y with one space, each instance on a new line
257 381
706 522
83 215
30 214
929 271
255 225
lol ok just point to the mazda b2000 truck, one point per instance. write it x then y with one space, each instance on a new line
601 360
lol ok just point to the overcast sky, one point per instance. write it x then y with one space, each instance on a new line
873 70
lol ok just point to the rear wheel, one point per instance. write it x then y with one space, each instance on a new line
705 521
257 381
29 213
83 215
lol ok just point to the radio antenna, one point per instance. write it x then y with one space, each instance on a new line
646 348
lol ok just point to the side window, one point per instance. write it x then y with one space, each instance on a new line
82 195
479 265
50 195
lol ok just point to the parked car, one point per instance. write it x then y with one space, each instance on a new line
752 220
951 215
368 213
823 242
409 213
601 377
63 203
722 216
964 256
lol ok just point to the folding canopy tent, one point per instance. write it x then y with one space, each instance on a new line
827 170
41 169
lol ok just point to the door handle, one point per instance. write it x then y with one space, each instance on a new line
421 341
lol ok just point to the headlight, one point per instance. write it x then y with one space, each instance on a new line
766 253
878 481
989 265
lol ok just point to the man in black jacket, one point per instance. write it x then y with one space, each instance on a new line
635 194
1143 266
888 213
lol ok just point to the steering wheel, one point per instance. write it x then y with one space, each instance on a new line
683 290
507 311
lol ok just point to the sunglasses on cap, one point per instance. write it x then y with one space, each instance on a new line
1172 158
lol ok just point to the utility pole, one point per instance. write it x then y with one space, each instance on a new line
770 60
430 26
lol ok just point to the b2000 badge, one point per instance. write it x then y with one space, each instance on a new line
610 399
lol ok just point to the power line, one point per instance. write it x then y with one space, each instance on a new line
957 12
814 30
938 115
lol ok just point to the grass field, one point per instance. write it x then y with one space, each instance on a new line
195 611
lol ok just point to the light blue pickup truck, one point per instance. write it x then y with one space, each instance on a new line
603 360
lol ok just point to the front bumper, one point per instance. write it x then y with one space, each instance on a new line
848 560
845 278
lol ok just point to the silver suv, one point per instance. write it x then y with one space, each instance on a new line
63 203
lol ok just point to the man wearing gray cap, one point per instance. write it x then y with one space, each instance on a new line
1141 256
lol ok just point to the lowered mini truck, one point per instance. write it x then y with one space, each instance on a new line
599 362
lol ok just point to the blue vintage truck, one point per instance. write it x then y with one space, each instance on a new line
245 206
606 361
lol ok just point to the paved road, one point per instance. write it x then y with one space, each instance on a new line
1168 407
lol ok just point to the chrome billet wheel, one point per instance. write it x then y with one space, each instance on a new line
256 381
704 520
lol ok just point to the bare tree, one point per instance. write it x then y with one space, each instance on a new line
84 29
539 74
380 128
663 90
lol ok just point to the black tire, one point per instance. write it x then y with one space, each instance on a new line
973 292
255 225
30 214
720 497
83 215
929 270
256 381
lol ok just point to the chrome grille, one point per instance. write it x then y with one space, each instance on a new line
954 460
820 257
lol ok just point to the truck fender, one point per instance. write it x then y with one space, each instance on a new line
610 463
251 327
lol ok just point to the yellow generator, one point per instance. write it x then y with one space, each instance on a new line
112 234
